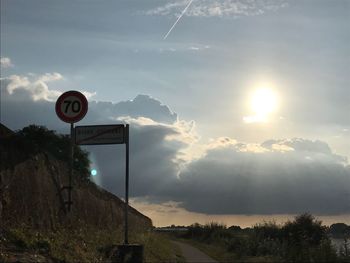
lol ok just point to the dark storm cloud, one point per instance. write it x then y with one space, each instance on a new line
275 177
152 166
307 178
235 179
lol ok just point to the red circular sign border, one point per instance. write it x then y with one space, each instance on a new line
84 106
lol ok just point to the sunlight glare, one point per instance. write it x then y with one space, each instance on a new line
263 102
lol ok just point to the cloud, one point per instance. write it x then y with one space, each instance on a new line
20 87
170 163
155 159
167 8
49 77
5 62
146 106
198 47
219 8
191 48
275 177
157 137
230 177
161 50
37 88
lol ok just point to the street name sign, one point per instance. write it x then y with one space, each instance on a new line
71 106
100 134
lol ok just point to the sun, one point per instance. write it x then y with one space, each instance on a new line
263 102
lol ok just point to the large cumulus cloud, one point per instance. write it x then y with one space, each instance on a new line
169 162
28 99
155 158
229 177
275 177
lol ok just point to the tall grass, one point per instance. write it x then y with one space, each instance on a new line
80 244
304 239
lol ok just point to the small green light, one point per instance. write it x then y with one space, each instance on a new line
93 172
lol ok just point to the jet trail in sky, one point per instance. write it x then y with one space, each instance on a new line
183 12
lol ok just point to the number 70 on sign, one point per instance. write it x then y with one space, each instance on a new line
71 106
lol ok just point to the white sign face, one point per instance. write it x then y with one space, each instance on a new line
71 106
100 134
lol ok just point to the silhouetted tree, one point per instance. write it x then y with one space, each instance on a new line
35 139
339 230
306 240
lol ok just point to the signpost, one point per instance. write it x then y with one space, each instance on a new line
109 134
71 107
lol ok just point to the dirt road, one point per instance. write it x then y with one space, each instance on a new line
192 254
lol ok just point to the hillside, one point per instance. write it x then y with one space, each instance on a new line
30 194
32 212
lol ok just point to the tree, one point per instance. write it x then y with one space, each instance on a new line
306 240
36 139
339 230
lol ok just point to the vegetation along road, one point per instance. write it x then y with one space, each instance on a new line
192 254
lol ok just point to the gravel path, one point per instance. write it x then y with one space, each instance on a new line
192 254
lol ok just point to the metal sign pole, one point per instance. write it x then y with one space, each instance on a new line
126 183
71 166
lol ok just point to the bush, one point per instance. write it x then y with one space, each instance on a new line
240 246
209 233
265 239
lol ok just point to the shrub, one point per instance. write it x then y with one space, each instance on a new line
241 246
209 233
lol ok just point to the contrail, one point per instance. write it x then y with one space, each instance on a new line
183 12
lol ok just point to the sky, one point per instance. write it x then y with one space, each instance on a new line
240 114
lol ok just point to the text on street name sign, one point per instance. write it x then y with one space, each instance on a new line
100 134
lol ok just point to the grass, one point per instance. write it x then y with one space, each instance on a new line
158 248
83 244
63 244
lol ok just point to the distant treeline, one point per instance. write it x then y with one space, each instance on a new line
337 230
304 239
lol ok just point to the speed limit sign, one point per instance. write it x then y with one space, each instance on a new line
71 106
